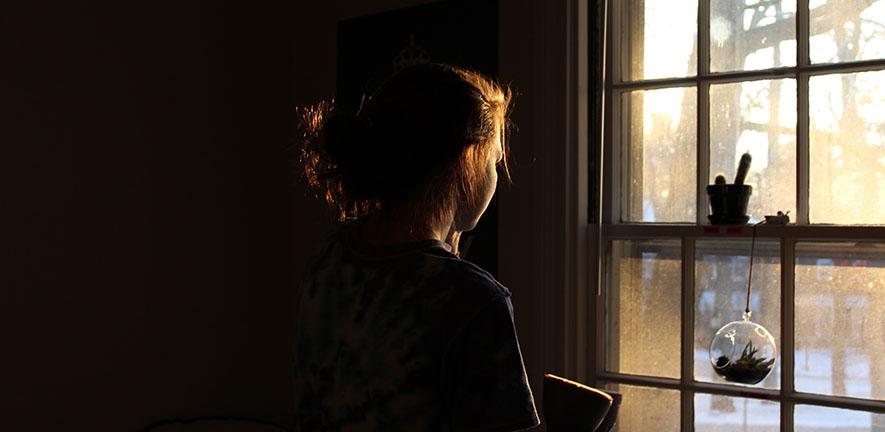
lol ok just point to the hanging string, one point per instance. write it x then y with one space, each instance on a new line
750 278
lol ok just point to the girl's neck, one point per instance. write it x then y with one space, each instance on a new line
398 226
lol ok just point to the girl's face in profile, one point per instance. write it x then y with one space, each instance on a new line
468 213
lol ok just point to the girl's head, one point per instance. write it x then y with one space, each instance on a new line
427 143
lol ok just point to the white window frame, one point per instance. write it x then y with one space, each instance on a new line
610 226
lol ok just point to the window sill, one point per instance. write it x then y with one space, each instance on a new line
791 231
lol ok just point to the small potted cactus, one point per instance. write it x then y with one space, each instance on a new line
728 202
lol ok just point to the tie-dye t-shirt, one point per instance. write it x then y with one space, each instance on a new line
405 338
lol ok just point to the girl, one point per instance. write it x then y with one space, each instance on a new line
394 331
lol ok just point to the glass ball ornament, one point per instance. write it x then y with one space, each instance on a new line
743 352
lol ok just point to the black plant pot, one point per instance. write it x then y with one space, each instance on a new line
728 203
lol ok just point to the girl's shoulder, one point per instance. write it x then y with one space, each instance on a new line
463 273
420 266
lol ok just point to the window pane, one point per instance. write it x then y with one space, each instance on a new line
661 155
646 409
717 413
662 39
846 30
721 271
757 117
810 418
752 35
847 156
840 296
644 308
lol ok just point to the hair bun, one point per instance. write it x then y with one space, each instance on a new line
349 143
342 133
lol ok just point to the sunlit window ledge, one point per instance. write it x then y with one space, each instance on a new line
793 231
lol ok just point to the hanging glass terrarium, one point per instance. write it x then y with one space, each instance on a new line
743 351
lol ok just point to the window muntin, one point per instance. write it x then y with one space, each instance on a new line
780 95
816 134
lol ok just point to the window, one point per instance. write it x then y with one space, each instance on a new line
694 84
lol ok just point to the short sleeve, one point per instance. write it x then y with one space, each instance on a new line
484 377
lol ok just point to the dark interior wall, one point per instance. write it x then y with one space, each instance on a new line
152 228
533 215
148 220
